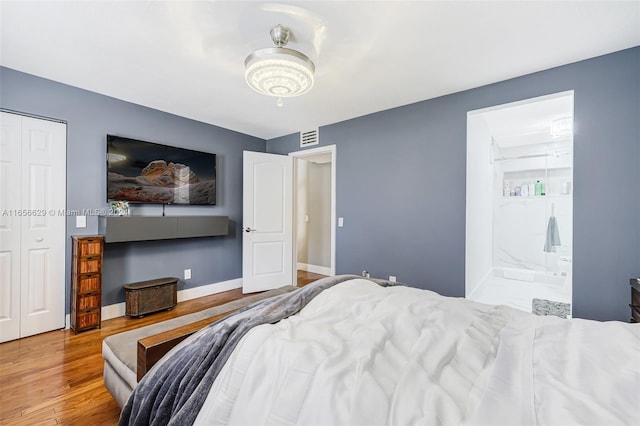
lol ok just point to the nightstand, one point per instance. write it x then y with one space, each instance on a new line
635 299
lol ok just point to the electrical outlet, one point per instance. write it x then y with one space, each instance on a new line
392 278
187 274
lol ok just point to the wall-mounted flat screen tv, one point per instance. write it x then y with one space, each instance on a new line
146 172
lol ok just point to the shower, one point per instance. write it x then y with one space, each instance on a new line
519 218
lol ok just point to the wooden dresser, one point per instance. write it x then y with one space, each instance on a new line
86 282
635 299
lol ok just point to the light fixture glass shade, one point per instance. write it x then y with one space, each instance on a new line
279 71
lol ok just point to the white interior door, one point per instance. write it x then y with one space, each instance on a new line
267 243
10 201
34 198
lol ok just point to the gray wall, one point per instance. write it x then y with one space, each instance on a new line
89 118
401 183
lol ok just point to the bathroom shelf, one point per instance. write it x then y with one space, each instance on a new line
542 197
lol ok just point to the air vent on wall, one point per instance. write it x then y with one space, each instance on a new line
308 138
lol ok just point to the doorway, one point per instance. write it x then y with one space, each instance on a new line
519 217
314 212
269 241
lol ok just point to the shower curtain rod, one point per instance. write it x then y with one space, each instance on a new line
520 157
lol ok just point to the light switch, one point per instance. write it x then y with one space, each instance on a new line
306 218
340 222
81 221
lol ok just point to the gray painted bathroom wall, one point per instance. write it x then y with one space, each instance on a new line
90 116
401 183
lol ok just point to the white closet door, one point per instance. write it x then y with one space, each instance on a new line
10 201
35 202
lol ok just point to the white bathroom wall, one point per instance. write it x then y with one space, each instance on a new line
479 212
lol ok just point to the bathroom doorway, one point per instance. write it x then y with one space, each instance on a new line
519 214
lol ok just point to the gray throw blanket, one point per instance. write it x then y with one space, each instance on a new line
176 387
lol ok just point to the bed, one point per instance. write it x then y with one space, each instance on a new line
354 351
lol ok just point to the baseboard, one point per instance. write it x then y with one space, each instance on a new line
118 309
322 270
209 289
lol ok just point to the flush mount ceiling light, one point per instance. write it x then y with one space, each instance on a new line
279 71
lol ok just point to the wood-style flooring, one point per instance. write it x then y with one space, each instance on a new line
56 377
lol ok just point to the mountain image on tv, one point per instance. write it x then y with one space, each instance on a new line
145 172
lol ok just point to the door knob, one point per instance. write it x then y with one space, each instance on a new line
248 229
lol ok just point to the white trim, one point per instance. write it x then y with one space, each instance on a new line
322 270
209 289
330 149
520 102
112 311
118 309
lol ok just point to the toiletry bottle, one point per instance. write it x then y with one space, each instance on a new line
532 189
524 190
507 189
538 188
543 188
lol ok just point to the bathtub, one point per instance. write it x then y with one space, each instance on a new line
528 275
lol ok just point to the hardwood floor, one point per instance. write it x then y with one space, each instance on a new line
305 277
56 377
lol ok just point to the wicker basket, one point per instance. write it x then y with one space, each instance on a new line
145 297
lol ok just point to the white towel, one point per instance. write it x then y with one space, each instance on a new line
553 235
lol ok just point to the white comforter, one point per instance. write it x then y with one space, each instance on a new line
361 354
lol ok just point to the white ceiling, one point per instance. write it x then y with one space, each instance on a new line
187 57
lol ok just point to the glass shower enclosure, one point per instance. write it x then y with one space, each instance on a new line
520 205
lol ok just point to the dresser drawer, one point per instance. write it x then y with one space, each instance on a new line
88 319
635 313
89 247
90 264
89 283
89 301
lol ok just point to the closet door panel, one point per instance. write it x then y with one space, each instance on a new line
10 206
43 233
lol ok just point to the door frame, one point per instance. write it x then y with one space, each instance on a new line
304 155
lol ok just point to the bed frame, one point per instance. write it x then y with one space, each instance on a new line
152 348
129 355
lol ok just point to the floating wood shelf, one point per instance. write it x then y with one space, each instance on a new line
147 228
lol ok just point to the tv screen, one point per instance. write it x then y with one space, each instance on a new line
145 172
